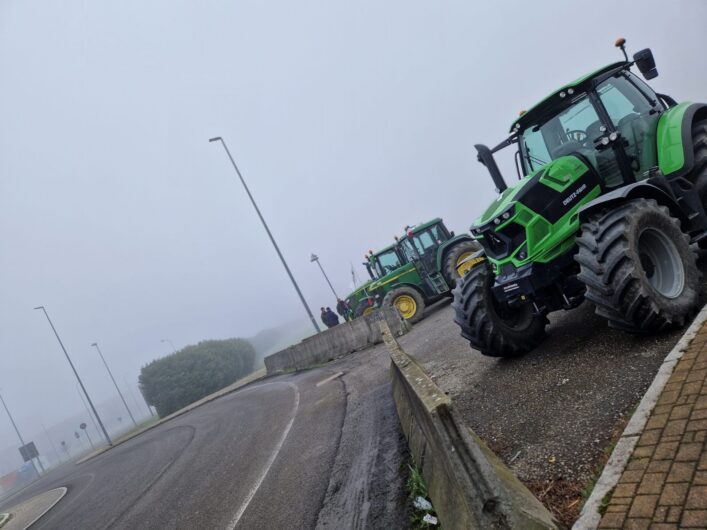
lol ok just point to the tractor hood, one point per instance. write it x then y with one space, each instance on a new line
359 293
503 202
391 276
531 218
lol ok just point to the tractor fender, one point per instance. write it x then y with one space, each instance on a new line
674 138
446 246
637 190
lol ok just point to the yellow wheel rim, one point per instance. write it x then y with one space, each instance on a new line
463 268
368 311
406 305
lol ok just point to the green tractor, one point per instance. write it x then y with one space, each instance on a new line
610 199
419 268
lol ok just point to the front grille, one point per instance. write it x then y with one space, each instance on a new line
501 243
496 245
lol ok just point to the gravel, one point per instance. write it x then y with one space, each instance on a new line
553 411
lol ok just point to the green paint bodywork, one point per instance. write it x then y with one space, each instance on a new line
407 274
671 151
544 241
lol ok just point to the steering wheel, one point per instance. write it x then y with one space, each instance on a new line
576 135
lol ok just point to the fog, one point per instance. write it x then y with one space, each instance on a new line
349 120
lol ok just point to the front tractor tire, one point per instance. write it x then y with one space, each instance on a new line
363 309
638 267
492 327
408 301
454 261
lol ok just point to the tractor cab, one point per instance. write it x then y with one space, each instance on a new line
421 243
384 262
610 119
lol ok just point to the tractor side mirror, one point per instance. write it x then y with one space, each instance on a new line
451 233
646 63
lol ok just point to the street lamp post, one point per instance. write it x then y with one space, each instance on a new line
105 433
88 411
272 239
170 343
316 259
18 431
95 344
56 453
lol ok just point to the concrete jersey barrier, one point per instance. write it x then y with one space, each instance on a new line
469 485
336 342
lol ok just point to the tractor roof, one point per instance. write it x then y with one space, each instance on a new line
530 116
384 249
414 230
422 226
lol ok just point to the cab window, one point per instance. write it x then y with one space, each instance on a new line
635 119
429 238
387 262
622 99
569 131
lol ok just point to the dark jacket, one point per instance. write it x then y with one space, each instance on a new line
333 319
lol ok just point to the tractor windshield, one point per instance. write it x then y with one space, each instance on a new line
566 132
387 262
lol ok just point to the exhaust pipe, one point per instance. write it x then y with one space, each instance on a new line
486 158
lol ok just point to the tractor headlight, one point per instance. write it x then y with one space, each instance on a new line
505 215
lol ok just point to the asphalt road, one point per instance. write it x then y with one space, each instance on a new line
307 450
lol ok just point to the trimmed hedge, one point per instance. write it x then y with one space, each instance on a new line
173 382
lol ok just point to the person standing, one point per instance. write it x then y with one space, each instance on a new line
343 309
325 318
333 319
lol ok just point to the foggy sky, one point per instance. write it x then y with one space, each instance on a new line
349 120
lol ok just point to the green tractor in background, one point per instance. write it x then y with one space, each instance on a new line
611 197
419 268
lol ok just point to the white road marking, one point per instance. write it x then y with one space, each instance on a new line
270 461
324 381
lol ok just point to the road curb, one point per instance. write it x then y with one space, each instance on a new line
469 485
23 515
203 401
589 517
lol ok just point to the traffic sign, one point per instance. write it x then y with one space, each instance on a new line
29 451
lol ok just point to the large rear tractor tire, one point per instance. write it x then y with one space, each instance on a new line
638 267
698 176
408 301
453 262
492 327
